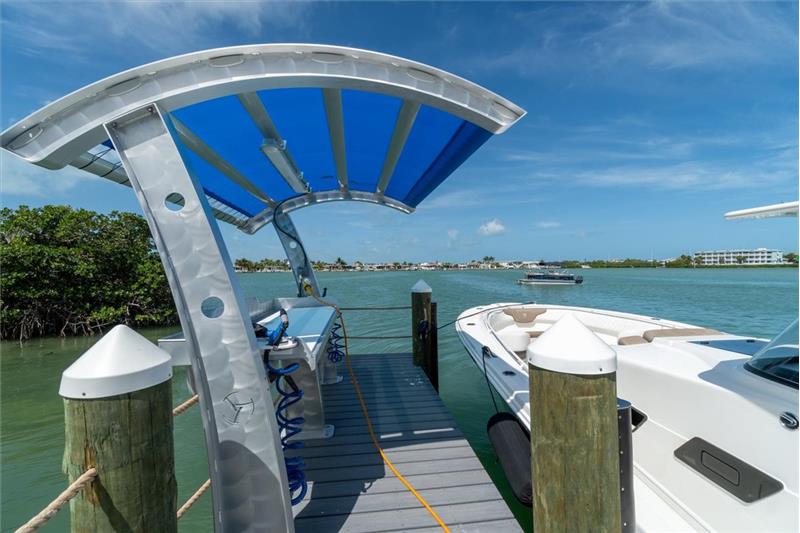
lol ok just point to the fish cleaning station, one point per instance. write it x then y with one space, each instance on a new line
300 435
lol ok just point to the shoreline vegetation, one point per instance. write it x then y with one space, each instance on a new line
66 271
489 263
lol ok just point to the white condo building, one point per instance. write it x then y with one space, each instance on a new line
759 256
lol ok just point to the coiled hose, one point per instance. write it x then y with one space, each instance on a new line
290 427
335 347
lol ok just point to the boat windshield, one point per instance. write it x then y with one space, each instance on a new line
778 359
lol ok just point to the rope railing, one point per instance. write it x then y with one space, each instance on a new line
378 337
193 499
377 308
91 474
182 408
87 477
55 506
386 308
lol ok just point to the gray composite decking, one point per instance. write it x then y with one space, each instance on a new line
351 489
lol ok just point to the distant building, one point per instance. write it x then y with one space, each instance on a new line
759 256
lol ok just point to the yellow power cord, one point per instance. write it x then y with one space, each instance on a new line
369 422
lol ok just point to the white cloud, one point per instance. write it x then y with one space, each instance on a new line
20 178
649 35
452 237
167 27
457 198
619 156
548 225
491 228
699 175
362 224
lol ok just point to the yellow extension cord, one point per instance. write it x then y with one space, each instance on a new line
369 422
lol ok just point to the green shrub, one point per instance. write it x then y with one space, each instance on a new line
73 271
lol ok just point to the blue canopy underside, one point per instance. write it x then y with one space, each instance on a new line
437 145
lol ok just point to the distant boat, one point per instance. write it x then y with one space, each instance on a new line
550 277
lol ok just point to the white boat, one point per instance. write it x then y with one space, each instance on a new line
550 277
732 399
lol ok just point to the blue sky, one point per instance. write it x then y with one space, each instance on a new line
646 121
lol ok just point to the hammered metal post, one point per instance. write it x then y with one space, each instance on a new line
246 464
299 262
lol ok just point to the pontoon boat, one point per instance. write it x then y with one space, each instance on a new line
550 277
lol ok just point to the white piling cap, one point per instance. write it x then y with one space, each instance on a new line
421 286
122 361
570 347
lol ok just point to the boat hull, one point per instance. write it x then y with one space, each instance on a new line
687 390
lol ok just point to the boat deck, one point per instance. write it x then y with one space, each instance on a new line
351 489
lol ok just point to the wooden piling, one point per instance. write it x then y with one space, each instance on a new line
432 353
420 321
118 420
574 437
128 438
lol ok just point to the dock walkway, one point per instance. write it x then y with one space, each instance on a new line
351 489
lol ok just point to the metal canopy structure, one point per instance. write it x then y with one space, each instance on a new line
786 209
281 124
246 135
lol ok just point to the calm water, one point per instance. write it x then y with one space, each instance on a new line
755 302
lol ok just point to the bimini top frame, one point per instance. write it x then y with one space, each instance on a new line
384 129
245 135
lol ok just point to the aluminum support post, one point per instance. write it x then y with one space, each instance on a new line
311 408
248 475
295 252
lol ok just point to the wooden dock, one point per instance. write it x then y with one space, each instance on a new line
351 489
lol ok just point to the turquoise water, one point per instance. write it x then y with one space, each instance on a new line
757 302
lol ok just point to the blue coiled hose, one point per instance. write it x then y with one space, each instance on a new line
335 347
290 427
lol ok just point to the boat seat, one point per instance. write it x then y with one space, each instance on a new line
631 340
514 339
678 332
522 315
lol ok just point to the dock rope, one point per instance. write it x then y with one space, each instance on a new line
182 408
372 435
193 499
55 506
380 308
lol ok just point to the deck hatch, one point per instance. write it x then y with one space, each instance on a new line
741 479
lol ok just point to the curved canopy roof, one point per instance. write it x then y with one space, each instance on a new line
282 124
